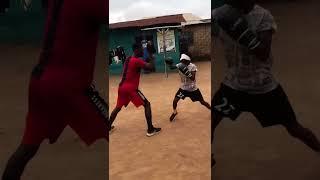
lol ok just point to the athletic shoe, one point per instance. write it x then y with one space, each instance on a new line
111 129
153 132
172 117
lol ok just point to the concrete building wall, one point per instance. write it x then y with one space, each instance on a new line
20 26
126 37
25 27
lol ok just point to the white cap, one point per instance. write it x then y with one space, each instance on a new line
185 57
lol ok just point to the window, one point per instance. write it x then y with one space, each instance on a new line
186 37
186 40
144 37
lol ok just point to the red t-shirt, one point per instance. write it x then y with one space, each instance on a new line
71 63
131 73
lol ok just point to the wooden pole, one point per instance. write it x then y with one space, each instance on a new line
164 51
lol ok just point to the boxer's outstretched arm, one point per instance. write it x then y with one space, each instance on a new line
149 65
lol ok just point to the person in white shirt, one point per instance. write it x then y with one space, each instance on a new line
187 72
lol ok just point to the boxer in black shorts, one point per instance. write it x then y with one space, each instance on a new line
245 30
187 72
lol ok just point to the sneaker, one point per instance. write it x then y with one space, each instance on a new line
111 129
172 117
153 132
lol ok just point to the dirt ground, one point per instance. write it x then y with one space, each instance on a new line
181 151
245 151
69 158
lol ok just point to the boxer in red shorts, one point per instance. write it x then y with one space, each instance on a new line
128 88
58 89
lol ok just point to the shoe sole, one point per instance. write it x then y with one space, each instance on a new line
152 134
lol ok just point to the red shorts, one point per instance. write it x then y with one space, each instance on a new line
127 95
51 109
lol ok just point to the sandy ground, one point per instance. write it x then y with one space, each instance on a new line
245 151
69 158
181 151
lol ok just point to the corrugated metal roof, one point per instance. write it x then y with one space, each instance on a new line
202 21
176 19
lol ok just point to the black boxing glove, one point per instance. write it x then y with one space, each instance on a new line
235 25
184 70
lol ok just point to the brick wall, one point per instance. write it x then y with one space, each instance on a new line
200 45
